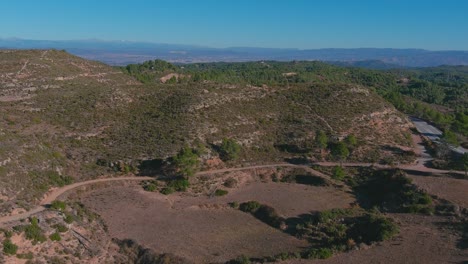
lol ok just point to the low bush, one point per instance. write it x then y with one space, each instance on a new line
220 192
250 206
58 205
268 215
230 182
69 218
151 186
373 228
28 255
306 179
34 232
338 173
60 228
318 253
167 190
55 237
179 184
9 248
391 191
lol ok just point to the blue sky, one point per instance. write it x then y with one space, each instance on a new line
305 24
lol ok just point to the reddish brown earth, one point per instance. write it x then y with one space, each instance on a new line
453 190
205 229
422 239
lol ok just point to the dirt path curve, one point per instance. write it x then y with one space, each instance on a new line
411 167
54 193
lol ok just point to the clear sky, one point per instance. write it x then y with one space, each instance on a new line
305 24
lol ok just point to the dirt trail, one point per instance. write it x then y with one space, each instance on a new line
56 192
23 68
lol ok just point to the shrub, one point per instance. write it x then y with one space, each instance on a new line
167 190
69 218
371 228
8 233
267 214
240 260
58 205
60 228
234 205
186 162
28 255
338 173
318 253
55 237
150 186
250 206
229 149
9 248
220 192
34 232
179 184
230 182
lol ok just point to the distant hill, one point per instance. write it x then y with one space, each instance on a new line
63 117
125 52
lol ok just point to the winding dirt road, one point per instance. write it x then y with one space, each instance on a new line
54 193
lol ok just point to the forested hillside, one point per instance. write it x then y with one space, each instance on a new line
438 94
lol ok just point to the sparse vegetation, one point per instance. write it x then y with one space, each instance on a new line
220 192
58 205
229 149
60 228
34 232
230 182
9 248
391 191
55 237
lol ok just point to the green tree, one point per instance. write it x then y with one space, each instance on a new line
186 162
229 149
321 139
340 151
338 173
465 163
351 140
450 137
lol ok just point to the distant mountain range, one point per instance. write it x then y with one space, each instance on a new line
126 52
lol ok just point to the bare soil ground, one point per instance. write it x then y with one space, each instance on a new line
453 190
422 239
205 229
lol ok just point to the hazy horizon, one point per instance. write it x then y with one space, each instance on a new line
211 47
264 24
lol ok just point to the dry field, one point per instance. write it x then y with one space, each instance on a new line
453 190
422 239
205 229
